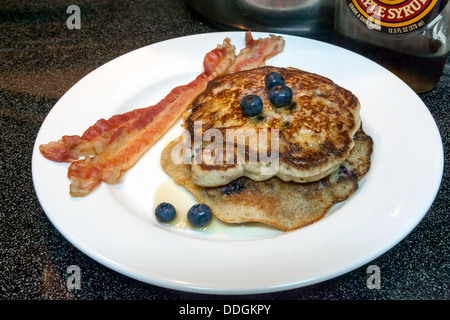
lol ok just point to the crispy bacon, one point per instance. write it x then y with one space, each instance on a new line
129 143
113 146
256 52
97 137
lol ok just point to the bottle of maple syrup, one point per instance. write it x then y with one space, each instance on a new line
408 37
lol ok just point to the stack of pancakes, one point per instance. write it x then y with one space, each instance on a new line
314 149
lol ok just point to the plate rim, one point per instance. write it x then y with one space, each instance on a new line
168 283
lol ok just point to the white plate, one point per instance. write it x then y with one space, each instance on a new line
115 224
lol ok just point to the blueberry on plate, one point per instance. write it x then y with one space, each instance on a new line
280 95
251 105
199 215
273 79
165 212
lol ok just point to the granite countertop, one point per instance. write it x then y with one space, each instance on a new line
40 59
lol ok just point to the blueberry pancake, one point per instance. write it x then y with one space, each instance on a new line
286 205
312 119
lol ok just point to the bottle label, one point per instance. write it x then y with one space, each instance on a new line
396 16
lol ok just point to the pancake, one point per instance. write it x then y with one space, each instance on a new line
302 142
282 204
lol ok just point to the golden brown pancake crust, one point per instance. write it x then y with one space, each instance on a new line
285 205
315 131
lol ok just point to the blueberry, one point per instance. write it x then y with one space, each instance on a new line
199 215
251 105
280 95
165 212
234 187
273 79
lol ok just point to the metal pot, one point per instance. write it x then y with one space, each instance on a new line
310 18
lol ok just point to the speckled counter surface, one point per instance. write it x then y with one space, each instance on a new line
40 59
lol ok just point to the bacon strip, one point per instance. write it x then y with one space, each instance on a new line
97 137
113 146
129 143
256 52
